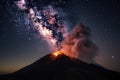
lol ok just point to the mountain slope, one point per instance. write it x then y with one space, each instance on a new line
62 67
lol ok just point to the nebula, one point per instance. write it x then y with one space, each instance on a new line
48 21
21 4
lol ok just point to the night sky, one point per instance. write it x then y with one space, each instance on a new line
20 47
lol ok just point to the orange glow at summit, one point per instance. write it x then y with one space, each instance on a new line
57 53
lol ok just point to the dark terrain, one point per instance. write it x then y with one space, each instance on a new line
62 67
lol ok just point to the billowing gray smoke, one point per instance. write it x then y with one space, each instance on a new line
78 44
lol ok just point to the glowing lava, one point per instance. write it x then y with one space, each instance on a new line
57 53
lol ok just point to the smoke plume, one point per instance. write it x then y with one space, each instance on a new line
78 44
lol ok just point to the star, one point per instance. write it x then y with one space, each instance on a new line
113 57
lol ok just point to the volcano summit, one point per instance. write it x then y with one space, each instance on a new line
62 67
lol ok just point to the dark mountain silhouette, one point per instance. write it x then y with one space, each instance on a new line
62 67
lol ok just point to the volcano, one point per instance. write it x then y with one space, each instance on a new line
62 67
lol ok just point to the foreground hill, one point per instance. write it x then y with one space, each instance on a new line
62 67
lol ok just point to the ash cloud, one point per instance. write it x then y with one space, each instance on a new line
79 45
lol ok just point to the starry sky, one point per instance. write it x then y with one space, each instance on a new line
20 47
